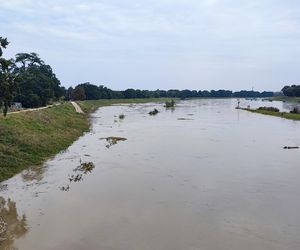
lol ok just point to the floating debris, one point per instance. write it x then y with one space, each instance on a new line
184 119
3 187
287 147
154 112
113 140
121 116
84 169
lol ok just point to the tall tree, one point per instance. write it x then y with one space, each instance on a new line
8 85
38 83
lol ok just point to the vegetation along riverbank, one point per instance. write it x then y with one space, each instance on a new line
30 138
274 112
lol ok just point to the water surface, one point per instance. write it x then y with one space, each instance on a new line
202 176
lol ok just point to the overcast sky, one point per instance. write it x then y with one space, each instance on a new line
195 44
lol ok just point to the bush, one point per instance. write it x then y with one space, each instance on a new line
295 110
154 112
271 109
170 104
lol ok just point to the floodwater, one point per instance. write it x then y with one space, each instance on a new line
202 176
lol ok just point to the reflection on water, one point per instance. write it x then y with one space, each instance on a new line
12 225
201 176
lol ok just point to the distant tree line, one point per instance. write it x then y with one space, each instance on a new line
291 91
88 91
29 80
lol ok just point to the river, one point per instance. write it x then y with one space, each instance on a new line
201 176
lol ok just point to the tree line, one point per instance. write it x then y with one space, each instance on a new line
27 79
291 91
88 91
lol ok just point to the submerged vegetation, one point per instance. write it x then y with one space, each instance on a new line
121 116
153 112
113 140
271 109
83 169
170 104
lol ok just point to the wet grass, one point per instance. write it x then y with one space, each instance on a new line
285 115
30 138
88 106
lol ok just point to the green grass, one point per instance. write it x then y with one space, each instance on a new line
278 114
89 106
29 138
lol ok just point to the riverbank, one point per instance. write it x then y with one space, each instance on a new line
285 115
29 138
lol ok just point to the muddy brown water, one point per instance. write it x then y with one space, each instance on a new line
217 180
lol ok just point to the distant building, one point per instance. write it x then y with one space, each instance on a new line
15 106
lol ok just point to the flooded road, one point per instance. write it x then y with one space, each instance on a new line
202 176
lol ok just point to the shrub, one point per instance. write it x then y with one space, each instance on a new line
271 109
170 104
154 112
295 110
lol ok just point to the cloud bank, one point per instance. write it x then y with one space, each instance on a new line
196 44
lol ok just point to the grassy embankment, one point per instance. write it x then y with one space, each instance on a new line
285 115
30 138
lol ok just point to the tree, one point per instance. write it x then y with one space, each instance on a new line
8 85
293 90
38 84
78 93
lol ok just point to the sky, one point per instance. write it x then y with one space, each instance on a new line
165 44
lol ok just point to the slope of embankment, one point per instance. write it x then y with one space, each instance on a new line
29 138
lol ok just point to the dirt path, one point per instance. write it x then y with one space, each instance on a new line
33 109
77 108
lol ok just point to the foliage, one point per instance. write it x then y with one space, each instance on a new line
271 109
37 82
78 93
170 104
8 85
154 112
29 138
121 116
291 91
285 115
295 110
